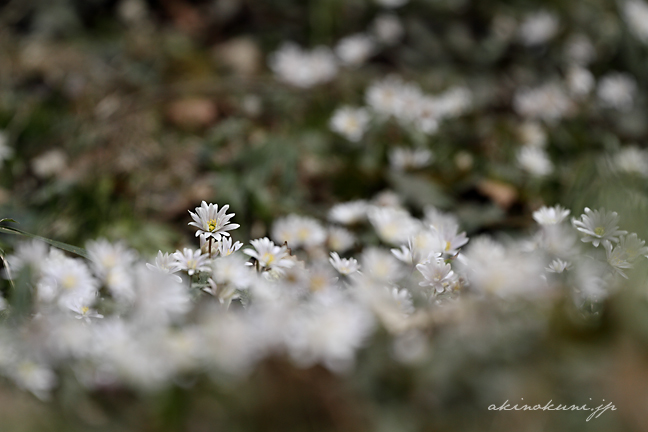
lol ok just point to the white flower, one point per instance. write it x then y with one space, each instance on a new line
345 266
211 222
532 134
224 293
380 265
106 256
355 49
550 215
165 263
160 299
340 239
226 248
50 163
192 261
579 50
598 226
558 266
393 225
30 253
302 68
548 102
538 28
402 298
299 231
580 81
5 151
68 279
268 255
616 257
384 96
388 29
449 238
350 122
83 311
437 274
349 213
635 13
37 378
403 158
535 160
231 270
617 90
633 247
631 159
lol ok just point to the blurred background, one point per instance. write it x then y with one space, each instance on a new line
117 116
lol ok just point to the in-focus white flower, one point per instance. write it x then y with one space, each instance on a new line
538 28
598 226
633 160
438 275
345 266
340 239
535 161
423 246
635 13
165 263
268 255
299 231
558 266
226 248
354 50
388 29
403 158
303 68
617 90
449 239
350 122
192 261
550 215
212 222
349 213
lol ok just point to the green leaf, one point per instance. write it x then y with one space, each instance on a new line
66 247
7 220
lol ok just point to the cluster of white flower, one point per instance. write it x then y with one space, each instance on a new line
116 322
406 102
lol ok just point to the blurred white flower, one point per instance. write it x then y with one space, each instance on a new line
356 49
635 13
580 81
349 213
192 261
535 161
345 266
166 263
5 151
50 163
340 239
299 231
550 215
579 50
532 134
632 159
380 265
403 158
617 90
351 123
538 28
303 68
558 266
548 102
388 29
391 3
393 225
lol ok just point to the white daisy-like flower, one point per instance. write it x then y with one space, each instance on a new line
449 238
402 298
383 96
345 266
350 122
437 274
212 222
303 68
616 257
617 90
226 248
550 215
403 158
632 160
299 231
393 225
633 247
268 255
231 270
535 161
598 226
192 261
340 239
349 213
549 102
66 279
355 49
558 266
106 256
83 311
30 253
538 28
165 263
380 265
224 293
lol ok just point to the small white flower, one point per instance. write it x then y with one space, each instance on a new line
598 226
349 213
635 13
617 90
350 122
299 231
355 49
579 50
403 158
211 222
165 263
633 247
558 266
226 248
388 29
538 28
231 270
83 311
345 266
380 265
580 81
340 239
633 160
437 274
393 225
535 160
550 215
549 102
303 68
268 255
192 261
616 257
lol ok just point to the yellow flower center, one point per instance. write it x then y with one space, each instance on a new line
268 258
84 310
212 225
599 231
447 246
69 281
